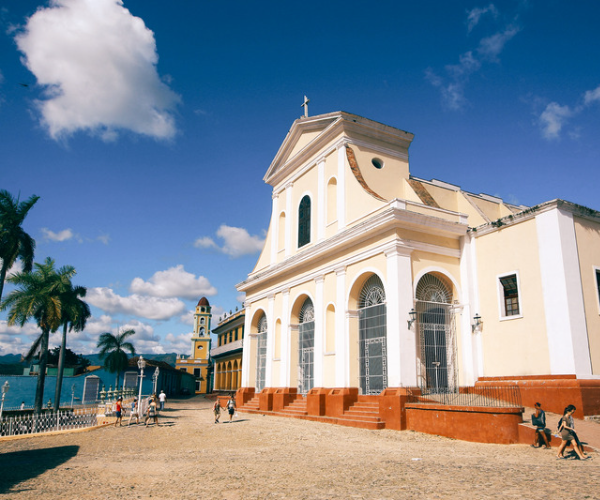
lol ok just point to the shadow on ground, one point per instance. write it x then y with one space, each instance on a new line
20 466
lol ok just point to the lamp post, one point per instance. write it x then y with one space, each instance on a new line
155 379
5 389
72 394
141 365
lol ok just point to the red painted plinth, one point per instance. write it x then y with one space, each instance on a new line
282 397
339 400
265 399
243 395
392 411
467 423
315 401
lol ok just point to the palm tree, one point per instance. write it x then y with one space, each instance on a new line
75 313
14 242
39 295
112 349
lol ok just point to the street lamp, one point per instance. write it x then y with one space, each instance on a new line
72 394
141 365
5 389
155 379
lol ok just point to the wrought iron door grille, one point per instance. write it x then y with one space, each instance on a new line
438 367
372 349
306 347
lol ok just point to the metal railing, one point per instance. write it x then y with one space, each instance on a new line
485 396
49 421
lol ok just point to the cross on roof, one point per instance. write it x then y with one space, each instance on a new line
305 106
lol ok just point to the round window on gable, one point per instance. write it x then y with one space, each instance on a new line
377 163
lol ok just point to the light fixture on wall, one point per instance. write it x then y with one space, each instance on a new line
477 323
412 317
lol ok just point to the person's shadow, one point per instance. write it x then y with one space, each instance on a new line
19 466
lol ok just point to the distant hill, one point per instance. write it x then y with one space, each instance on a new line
10 359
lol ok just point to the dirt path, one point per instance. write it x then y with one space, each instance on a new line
256 457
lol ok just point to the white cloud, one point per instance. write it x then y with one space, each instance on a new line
97 63
205 242
104 238
553 119
453 85
146 307
180 344
64 235
592 96
174 282
236 241
491 46
475 15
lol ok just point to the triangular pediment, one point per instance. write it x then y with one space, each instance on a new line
312 136
304 133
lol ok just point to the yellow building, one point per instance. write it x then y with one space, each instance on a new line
372 278
227 356
198 364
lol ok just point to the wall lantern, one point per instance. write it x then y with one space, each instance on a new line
412 317
477 323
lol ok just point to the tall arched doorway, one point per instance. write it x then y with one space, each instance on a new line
306 347
261 353
438 367
372 337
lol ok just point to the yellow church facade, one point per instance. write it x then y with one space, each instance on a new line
198 363
373 278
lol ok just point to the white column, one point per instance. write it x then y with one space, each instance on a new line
401 344
274 228
471 346
319 348
341 186
270 340
246 352
288 219
563 297
321 206
342 374
284 375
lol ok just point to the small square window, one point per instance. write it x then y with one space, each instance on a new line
510 296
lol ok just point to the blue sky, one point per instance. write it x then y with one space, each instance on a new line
147 126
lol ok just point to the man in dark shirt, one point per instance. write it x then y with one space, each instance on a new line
539 420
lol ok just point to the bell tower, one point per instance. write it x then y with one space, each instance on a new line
198 364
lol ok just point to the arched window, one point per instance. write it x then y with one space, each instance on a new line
261 354
304 222
306 347
372 337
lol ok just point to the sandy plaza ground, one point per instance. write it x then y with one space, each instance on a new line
265 457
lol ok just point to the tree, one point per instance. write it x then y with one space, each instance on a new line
112 350
75 313
14 242
38 295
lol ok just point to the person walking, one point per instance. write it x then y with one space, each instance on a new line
567 434
152 413
231 407
119 412
217 410
539 420
134 412
162 397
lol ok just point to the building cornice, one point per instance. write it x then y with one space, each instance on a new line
532 212
392 216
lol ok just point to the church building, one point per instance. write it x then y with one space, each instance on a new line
199 363
373 278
